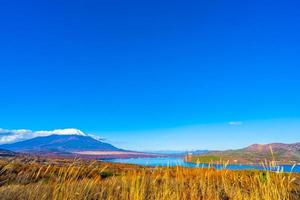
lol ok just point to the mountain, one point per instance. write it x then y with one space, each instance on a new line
6 153
60 143
256 153
275 147
179 152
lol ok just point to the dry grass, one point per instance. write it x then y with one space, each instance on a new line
36 179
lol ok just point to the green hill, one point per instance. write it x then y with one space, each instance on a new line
256 153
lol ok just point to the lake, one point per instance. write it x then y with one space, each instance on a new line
179 161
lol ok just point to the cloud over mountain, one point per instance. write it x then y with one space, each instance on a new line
14 135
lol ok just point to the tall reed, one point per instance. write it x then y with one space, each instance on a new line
94 180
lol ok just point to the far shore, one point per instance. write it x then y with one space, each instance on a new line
112 153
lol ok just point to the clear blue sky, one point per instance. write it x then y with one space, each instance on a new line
124 69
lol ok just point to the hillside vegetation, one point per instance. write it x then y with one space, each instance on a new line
257 153
54 179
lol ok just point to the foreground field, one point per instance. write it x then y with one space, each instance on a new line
35 178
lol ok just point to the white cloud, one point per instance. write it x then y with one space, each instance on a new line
67 131
9 136
235 123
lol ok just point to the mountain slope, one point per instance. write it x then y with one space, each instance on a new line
60 143
256 153
6 153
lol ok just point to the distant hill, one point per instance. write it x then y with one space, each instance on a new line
6 153
178 152
256 153
60 143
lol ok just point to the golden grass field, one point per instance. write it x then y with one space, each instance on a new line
65 179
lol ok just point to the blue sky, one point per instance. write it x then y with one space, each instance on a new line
140 72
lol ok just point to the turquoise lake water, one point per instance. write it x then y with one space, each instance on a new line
178 161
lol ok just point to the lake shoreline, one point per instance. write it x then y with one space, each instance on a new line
179 161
